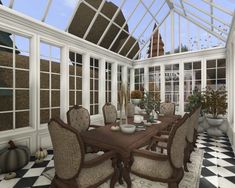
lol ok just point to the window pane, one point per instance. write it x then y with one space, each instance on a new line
211 63
22 60
211 74
6 57
6 98
22 119
6 120
44 116
6 78
22 79
44 99
22 100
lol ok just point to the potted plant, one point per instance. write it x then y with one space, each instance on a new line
150 103
195 100
215 105
136 97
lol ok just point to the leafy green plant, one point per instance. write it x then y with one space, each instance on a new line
150 102
216 101
195 100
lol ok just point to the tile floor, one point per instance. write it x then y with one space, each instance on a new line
218 168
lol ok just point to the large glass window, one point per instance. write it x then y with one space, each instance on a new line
155 81
49 82
94 86
192 79
139 79
75 79
216 73
172 84
14 81
108 89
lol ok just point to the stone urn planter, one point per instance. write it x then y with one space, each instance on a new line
214 126
135 101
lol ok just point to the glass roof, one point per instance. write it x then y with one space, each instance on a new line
137 26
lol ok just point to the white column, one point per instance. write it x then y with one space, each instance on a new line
34 75
114 84
233 62
64 83
162 77
203 73
101 84
132 79
172 32
146 78
86 81
181 88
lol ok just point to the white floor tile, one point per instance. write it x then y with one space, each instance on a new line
29 165
42 180
9 183
224 172
51 163
213 180
34 172
224 183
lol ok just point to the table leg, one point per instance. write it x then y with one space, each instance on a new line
126 171
120 170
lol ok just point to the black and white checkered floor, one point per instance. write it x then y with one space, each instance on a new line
218 168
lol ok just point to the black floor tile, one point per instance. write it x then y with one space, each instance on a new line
26 182
204 183
205 172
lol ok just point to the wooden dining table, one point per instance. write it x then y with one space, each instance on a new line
122 143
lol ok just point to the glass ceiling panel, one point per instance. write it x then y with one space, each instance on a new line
35 8
60 13
198 24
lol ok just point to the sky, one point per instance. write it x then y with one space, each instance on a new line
61 11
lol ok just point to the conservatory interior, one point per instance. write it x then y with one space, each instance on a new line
117 93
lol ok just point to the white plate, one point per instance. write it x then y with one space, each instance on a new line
148 123
157 122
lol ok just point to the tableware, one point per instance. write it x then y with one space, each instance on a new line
161 114
115 128
138 118
157 122
128 128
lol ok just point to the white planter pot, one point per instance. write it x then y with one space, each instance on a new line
214 122
135 101
200 119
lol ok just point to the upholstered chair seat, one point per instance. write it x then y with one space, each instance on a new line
167 167
167 109
109 113
74 168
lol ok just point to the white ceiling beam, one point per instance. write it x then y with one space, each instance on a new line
219 7
104 16
182 5
11 4
170 4
72 16
149 23
203 20
123 26
94 19
205 12
155 30
136 26
46 11
191 19
151 14
111 22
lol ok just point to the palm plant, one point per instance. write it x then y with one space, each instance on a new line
216 101
195 100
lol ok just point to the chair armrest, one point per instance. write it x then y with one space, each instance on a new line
163 133
159 139
100 159
149 155
95 126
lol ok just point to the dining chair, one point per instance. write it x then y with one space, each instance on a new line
74 168
79 118
109 113
167 108
167 168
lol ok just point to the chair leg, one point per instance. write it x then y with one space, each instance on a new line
172 185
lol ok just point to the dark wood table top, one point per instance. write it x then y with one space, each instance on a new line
105 138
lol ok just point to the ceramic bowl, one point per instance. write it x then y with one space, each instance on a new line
128 128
